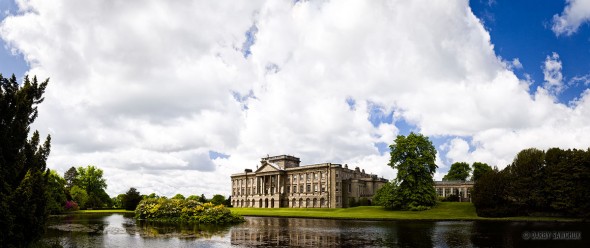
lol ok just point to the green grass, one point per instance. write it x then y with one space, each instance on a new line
101 211
442 211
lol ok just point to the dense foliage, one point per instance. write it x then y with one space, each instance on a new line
459 171
23 173
479 169
178 210
413 157
554 182
131 199
56 193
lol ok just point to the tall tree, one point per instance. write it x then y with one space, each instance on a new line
479 169
23 174
90 179
458 171
413 157
528 179
70 176
131 199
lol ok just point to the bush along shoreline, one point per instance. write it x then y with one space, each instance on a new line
185 211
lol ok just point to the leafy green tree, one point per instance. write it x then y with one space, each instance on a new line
479 169
79 195
413 157
118 201
193 197
178 196
70 176
459 171
152 196
23 175
218 199
56 193
131 199
386 196
91 180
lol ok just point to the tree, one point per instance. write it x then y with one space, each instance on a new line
56 193
203 199
131 199
23 175
413 157
90 179
386 196
218 199
527 174
193 197
79 195
491 195
178 196
458 171
70 177
479 169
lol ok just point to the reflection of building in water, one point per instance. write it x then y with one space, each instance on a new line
281 182
459 188
284 232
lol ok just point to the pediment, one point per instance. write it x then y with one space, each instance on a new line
267 167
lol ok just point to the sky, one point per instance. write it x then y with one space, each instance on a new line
175 96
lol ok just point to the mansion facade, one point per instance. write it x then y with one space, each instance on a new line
280 182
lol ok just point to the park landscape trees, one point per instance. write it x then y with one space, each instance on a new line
552 182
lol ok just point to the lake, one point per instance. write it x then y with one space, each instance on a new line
121 230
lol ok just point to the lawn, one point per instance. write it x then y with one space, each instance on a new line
442 211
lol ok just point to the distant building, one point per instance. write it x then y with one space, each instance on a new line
281 182
462 189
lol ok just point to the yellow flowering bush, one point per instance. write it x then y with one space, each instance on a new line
177 210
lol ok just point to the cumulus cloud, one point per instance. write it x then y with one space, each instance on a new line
552 73
575 14
147 90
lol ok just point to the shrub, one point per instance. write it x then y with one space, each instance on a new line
190 211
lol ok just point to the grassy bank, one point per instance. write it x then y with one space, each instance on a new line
442 211
102 211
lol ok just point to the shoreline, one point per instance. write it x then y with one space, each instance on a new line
444 211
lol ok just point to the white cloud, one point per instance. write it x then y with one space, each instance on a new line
145 91
552 73
575 14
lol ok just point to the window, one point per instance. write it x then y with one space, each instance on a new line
294 188
323 188
336 174
288 189
315 188
349 188
308 187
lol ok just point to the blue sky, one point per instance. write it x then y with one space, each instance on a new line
522 29
172 92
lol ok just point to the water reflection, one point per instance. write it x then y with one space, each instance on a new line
118 230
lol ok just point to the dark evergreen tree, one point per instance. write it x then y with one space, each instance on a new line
23 172
131 199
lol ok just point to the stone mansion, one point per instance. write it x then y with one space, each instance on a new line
281 182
